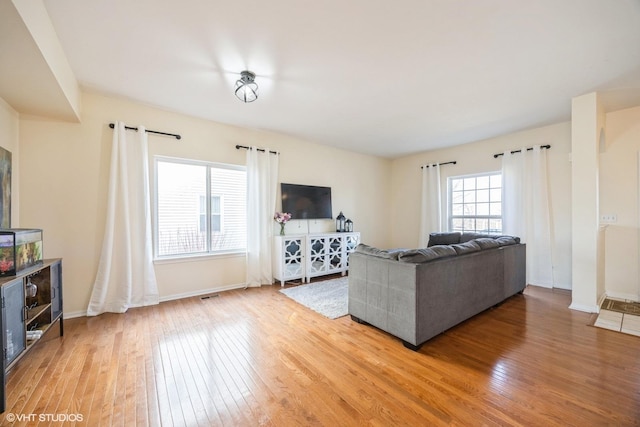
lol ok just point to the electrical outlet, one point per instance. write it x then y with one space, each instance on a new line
609 219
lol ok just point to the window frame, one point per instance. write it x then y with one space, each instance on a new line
208 252
450 215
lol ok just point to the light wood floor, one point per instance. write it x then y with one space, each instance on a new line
254 357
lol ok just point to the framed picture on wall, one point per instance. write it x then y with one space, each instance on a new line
5 188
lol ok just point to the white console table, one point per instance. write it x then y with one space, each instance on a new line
303 256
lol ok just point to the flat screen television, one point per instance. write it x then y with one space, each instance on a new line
306 201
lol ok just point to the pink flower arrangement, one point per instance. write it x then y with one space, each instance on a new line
282 217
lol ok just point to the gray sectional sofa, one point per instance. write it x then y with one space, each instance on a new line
417 294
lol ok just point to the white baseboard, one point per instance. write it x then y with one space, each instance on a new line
622 295
545 286
553 286
74 314
584 307
202 292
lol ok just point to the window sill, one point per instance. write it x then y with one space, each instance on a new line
198 257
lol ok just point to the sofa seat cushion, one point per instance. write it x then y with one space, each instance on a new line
444 238
467 247
427 254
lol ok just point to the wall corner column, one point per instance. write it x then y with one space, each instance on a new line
587 124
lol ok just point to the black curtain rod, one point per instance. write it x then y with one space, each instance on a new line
495 156
175 135
440 164
259 149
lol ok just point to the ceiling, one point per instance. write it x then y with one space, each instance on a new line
372 76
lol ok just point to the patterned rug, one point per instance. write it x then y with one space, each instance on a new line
329 297
620 316
621 306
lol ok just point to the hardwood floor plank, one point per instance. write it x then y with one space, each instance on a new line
255 357
149 388
240 372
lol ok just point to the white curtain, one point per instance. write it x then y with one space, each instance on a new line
526 210
262 187
431 208
125 276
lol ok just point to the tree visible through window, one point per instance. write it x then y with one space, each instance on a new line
475 203
185 224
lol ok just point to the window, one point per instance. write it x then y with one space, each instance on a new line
475 203
200 207
216 214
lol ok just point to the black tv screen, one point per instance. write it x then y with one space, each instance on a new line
306 201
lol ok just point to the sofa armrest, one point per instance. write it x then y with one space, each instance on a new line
382 292
515 268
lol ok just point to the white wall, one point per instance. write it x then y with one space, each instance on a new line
64 188
64 166
9 123
619 196
36 19
477 158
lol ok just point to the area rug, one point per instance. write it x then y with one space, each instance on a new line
329 297
619 316
621 306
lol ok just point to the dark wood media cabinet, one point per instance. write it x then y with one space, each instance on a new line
31 304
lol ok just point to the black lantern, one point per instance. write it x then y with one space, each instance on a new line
340 222
348 226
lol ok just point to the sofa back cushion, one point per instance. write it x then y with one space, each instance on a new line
487 242
445 238
467 247
507 240
370 250
467 236
426 254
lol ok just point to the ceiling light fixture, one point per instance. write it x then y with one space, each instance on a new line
246 87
